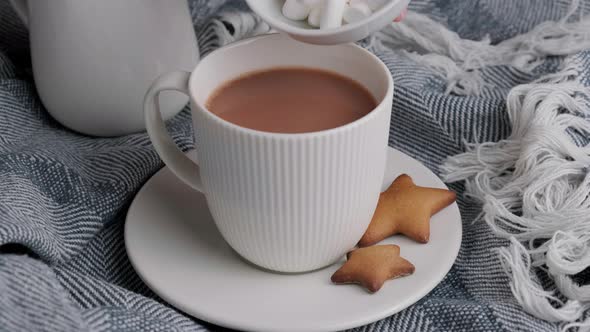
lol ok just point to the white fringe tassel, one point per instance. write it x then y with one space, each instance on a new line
535 187
458 60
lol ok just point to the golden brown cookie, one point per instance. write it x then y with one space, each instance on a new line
405 208
372 266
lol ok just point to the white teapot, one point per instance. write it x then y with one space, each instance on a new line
94 60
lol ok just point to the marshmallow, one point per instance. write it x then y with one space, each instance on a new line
327 14
376 4
332 14
357 11
296 10
314 17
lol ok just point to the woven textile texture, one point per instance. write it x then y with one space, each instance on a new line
64 196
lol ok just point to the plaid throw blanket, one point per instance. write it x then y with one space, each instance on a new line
63 265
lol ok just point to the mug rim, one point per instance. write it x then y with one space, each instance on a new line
358 122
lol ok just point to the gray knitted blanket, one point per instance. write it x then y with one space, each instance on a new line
466 72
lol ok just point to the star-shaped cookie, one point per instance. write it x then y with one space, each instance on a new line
405 208
372 266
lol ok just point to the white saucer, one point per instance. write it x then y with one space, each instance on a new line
175 248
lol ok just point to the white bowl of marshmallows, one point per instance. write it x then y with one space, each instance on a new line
328 22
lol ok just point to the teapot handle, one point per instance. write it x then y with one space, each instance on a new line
22 10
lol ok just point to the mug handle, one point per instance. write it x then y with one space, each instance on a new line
22 10
181 165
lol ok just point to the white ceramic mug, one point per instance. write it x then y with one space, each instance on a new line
94 60
285 202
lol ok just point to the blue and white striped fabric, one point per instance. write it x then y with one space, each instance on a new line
63 196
